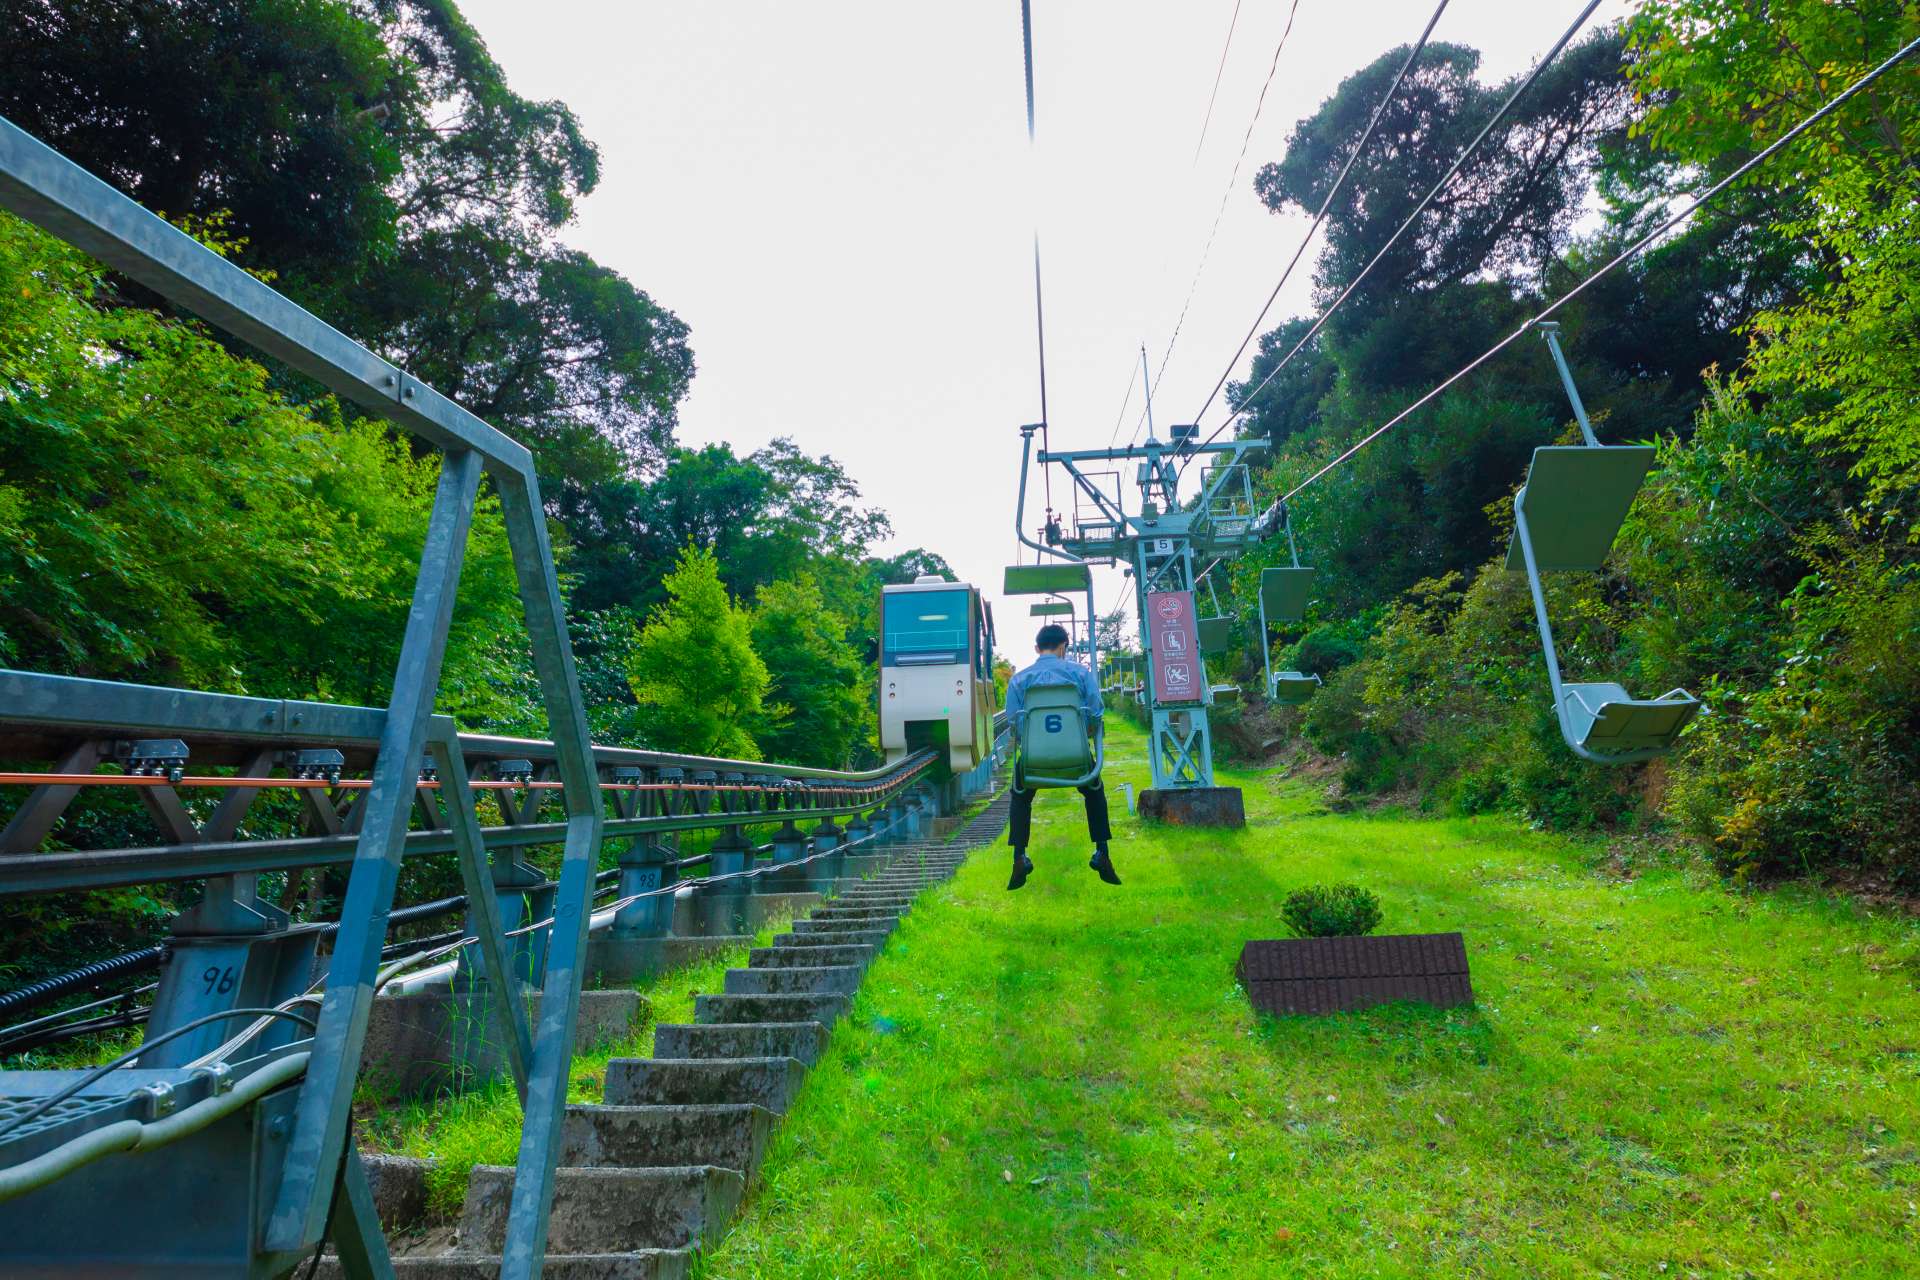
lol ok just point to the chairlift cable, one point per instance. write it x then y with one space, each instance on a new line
1206 249
1625 255
1039 308
1326 205
1218 75
1133 378
1486 130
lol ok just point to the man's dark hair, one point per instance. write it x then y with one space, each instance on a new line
1051 636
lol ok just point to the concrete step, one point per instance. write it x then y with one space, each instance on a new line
824 1009
863 924
813 980
858 912
803 1040
607 1210
776 959
875 938
732 1135
644 1264
768 1083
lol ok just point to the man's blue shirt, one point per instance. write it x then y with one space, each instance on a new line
1047 669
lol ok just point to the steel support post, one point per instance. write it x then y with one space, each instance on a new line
318 1143
526 1236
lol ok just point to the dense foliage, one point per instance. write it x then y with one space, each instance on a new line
176 511
1771 563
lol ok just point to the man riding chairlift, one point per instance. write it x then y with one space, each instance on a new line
1051 670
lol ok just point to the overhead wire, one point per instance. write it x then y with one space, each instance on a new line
1206 249
1326 204
1039 307
1625 255
1433 194
1218 75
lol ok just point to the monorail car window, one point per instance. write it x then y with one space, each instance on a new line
925 627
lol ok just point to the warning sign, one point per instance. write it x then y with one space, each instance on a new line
1176 643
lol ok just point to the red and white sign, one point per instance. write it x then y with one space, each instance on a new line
1176 647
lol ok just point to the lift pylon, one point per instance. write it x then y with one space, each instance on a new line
1157 543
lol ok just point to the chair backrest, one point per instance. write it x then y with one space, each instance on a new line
1053 735
1215 633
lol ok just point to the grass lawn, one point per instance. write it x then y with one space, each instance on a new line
1663 1076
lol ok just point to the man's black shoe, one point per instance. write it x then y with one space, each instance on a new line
1022 868
1103 863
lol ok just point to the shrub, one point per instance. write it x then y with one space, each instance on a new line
1331 911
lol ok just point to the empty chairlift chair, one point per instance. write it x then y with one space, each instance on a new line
1284 592
1565 519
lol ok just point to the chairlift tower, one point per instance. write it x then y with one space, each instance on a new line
1158 543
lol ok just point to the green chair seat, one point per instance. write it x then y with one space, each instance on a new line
1055 578
1291 688
1226 695
1051 609
1602 717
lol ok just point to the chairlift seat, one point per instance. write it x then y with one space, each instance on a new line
1055 578
1284 592
1604 718
1214 634
1226 695
1576 498
1055 750
1051 609
1291 688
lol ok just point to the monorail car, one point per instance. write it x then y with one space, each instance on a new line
936 671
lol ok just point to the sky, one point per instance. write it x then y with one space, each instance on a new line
840 201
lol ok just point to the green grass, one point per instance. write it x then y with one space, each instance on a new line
1664 1076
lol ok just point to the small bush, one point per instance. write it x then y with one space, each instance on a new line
1331 911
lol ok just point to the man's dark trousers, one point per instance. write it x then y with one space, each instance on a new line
1020 824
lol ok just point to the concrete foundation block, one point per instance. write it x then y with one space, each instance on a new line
1194 806
615 960
399 1186
429 1041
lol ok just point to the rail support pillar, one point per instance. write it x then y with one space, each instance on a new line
723 906
789 847
826 873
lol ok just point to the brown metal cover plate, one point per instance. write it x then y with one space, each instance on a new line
1331 975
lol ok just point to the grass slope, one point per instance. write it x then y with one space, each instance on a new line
1663 1076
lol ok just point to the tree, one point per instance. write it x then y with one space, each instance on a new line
1505 213
700 686
773 514
822 700
166 516
370 155
1722 80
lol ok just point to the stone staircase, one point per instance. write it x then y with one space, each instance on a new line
660 1167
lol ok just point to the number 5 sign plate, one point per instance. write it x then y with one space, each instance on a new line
1176 647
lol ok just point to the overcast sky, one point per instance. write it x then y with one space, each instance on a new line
839 199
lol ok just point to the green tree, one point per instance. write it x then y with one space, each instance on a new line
699 684
821 700
371 156
166 516
1723 80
